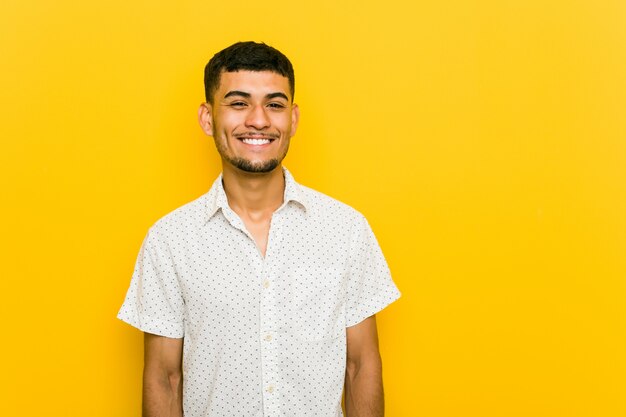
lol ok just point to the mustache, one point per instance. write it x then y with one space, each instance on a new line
258 135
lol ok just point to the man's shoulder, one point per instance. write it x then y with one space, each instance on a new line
326 206
187 217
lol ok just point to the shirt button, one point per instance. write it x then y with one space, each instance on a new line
268 337
266 284
270 389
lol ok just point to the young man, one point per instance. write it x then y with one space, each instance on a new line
258 298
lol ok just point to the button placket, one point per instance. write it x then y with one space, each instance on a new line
266 336
270 319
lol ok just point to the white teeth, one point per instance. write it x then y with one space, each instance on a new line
256 141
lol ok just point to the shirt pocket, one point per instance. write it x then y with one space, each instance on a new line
318 304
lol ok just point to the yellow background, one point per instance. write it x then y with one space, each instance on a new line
484 140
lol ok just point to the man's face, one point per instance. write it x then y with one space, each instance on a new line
251 119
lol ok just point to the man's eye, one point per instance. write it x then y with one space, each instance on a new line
276 105
238 104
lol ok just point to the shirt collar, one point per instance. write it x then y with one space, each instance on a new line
216 197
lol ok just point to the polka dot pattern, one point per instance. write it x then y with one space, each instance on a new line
263 336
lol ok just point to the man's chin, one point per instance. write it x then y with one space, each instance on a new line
255 167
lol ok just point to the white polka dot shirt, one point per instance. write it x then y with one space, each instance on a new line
262 336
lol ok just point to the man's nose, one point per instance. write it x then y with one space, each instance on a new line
257 118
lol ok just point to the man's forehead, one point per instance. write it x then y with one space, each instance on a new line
253 80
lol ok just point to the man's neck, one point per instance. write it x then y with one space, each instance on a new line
253 195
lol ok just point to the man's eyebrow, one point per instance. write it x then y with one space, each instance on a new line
237 93
274 95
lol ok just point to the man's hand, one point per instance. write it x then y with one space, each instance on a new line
364 382
162 376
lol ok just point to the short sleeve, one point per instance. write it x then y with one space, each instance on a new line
154 302
370 287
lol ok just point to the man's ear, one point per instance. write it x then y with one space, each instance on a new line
295 118
205 118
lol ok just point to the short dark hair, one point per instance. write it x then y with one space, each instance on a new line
246 56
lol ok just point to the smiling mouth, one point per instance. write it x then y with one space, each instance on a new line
251 141
256 139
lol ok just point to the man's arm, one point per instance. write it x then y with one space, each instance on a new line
364 381
162 376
